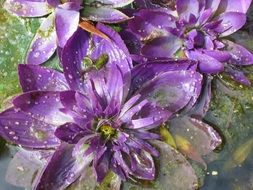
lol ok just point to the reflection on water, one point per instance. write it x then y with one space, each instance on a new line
230 177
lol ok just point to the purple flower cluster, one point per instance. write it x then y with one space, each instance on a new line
108 109
196 30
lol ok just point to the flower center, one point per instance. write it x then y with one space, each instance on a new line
195 39
63 1
107 131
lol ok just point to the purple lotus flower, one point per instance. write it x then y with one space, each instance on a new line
94 114
196 30
62 21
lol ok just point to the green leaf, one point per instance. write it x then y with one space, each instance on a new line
15 36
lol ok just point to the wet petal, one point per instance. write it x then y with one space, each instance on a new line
202 104
44 42
103 14
230 23
148 117
101 163
67 166
213 5
144 165
117 52
239 54
175 171
149 23
132 41
72 59
185 8
162 47
173 90
28 8
201 136
205 16
43 105
33 77
221 56
114 37
207 64
70 133
147 71
234 6
23 129
66 23
113 3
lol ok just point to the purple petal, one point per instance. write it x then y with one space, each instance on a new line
150 22
205 16
67 168
230 23
103 14
132 41
115 37
24 167
106 86
113 3
202 104
72 59
53 3
239 54
185 8
69 132
144 165
201 136
115 84
23 129
221 56
207 64
143 145
33 77
44 43
117 52
148 117
240 6
213 5
147 71
162 47
43 105
101 163
28 8
173 90
66 23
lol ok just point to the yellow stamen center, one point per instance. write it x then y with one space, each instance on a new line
107 130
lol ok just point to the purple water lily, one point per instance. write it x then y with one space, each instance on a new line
62 21
186 127
195 29
93 114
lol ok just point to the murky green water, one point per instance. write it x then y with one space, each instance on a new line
231 111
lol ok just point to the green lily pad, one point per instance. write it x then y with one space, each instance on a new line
15 36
